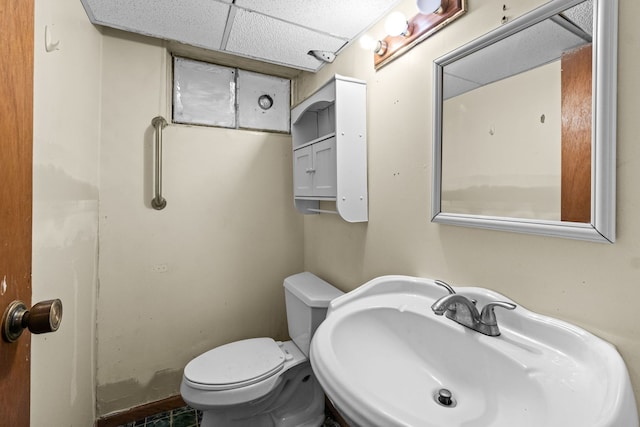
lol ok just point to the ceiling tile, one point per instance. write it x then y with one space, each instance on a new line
276 31
265 38
340 18
195 22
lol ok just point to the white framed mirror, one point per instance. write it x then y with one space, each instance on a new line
524 133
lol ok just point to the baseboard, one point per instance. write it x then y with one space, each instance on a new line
139 412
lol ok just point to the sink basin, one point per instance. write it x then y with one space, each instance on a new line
382 356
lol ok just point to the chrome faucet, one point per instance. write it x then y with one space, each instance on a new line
462 310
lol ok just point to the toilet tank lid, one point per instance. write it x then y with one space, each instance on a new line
311 289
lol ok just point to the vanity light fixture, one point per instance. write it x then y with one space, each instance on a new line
404 34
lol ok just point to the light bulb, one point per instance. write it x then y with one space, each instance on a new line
396 24
367 42
430 6
378 47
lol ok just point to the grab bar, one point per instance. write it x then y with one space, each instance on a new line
158 202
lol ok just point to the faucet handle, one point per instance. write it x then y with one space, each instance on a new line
488 316
445 285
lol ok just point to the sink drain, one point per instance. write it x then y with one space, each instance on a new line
443 397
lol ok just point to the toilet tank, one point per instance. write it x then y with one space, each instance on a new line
307 298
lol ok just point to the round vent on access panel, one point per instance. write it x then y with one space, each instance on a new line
265 102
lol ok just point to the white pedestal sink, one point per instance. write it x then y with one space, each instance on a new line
382 355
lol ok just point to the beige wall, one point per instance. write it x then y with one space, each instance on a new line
593 285
206 270
65 212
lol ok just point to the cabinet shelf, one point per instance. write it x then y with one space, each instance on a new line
330 149
321 198
313 141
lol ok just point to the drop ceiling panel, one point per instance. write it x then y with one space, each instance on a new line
275 31
265 38
340 18
196 22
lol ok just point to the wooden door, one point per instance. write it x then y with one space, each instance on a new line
16 142
576 135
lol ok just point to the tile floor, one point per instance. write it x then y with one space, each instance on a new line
188 417
181 417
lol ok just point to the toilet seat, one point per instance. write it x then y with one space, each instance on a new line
237 364
203 396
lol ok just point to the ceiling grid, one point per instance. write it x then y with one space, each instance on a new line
280 32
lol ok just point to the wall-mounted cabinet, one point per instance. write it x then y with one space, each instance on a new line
329 132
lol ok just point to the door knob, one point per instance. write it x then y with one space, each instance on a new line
43 317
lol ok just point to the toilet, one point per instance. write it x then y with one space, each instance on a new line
260 382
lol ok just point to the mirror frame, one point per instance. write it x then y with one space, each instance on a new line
603 157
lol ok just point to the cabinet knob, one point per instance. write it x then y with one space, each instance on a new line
43 317
311 170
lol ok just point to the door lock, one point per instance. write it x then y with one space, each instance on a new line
43 317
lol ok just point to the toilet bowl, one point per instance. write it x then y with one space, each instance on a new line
260 382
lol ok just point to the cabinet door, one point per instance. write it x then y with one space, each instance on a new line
324 167
303 172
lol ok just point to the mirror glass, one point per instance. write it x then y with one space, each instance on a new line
524 125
